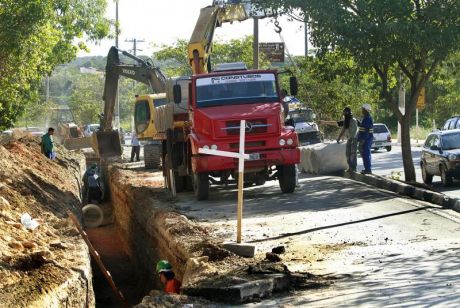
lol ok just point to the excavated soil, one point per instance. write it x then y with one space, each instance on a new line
35 263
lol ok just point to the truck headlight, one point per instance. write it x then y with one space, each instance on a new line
206 147
290 141
282 142
214 147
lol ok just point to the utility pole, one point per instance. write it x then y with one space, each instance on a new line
117 116
255 44
135 41
306 38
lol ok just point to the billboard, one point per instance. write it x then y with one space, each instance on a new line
273 51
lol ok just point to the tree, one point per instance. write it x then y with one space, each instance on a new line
176 63
409 36
35 36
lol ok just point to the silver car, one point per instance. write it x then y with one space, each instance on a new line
382 137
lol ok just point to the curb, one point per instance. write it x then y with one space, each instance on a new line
404 189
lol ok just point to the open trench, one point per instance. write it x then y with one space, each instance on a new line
120 243
142 226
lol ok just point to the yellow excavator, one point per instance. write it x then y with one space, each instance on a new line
106 141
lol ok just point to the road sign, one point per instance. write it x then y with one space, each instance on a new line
421 99
273 51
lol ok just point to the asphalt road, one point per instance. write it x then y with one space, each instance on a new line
386 250
384 163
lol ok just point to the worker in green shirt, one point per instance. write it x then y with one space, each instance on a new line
48 144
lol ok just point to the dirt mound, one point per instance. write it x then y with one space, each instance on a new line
33 261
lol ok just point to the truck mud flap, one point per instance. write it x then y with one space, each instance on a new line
107 144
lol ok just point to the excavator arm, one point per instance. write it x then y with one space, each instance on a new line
200 44
142 71
106 141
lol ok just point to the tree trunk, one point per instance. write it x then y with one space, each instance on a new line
408 162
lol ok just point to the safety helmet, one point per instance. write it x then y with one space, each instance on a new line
367 107
347 110
163 266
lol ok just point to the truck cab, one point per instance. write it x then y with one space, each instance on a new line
218 101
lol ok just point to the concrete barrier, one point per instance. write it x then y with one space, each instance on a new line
323 158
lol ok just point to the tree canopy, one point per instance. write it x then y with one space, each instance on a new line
237 50
37 35
408 36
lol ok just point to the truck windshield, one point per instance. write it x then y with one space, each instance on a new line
302 116
236 90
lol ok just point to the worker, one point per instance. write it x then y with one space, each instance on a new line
349 126
92 184
135 147
365 137
172 285
47 144
349 129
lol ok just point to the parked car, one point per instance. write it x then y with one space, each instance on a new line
441 156
90 129
35 131
452 123
382 137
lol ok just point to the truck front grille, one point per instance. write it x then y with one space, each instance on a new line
253 126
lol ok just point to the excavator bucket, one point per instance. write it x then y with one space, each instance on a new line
107 144
77 143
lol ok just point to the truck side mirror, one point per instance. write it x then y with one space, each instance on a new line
177 92
293 85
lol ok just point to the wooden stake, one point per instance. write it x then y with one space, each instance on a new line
240 182
98 260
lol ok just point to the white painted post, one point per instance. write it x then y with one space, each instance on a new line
240 182
241 157
416 125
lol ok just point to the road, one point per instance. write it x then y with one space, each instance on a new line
388 250
383 163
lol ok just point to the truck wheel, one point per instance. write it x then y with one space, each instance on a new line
286 178
201 185
152 156
260 178
446 178
388 148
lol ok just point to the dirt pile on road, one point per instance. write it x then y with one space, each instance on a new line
35 262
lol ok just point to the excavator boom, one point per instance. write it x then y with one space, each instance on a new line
200 44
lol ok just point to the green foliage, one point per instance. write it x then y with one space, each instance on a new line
86 98
411 36
35 36
175 59
330 83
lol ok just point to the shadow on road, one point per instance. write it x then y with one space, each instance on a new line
428 279
340 224
316 193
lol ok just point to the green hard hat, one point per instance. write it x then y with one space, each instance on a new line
163 266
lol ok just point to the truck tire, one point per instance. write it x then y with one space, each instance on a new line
201 185
152 156
286 178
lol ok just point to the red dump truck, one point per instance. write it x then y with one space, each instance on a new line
216 103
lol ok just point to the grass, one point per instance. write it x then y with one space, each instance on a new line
421 136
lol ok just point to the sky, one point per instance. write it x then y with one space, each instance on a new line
164 21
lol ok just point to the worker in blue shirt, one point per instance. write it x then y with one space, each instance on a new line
365 138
